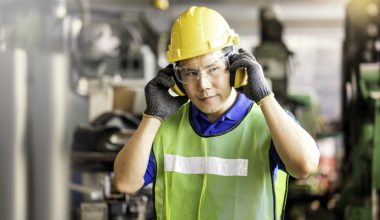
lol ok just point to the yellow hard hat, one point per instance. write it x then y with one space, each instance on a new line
198 31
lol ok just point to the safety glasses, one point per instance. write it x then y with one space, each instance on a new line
213 70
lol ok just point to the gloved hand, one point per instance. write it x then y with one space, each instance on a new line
256 88
160 104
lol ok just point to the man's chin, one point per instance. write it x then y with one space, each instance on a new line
208 107
208 110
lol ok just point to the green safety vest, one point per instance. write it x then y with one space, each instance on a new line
226 176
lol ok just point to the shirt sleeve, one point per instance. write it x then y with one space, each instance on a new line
149 173
275 159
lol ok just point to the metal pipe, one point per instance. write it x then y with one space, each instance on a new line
13 102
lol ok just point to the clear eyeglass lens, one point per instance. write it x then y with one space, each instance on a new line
188 76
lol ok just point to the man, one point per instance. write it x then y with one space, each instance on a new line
219 155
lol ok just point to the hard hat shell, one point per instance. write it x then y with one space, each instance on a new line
198 31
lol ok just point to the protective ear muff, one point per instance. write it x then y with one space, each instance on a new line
178 87
239 78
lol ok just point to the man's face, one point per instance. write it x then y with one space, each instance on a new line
209 93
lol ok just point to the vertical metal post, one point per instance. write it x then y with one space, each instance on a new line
13 102
49 166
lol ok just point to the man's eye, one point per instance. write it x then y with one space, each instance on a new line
214 69
189 73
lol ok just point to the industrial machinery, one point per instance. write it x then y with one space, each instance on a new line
108 50
95 147
111 63
359 198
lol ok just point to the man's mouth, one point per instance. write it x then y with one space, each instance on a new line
206 98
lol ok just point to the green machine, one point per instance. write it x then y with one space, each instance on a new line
369 85
359 197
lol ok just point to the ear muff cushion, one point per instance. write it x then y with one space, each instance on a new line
241 77
232 79
238 78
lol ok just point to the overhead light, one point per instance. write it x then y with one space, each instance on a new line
61 11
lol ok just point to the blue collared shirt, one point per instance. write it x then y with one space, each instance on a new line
226 121
203 126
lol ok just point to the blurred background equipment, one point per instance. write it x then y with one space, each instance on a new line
272 53
72 83
276 59
361 111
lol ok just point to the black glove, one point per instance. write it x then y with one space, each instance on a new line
256 88
159 102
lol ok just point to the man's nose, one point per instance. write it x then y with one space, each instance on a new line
203 81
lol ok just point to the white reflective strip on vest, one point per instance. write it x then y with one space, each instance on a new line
206 165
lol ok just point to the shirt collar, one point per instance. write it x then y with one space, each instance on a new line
239 108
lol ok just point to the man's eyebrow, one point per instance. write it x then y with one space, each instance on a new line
188 68
213 63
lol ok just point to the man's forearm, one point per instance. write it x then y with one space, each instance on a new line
132 161
296 148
